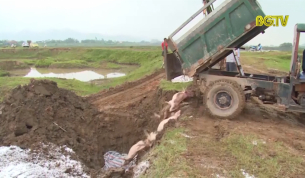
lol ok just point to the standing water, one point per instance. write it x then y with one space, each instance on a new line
84 76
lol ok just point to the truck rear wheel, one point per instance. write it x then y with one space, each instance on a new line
224 99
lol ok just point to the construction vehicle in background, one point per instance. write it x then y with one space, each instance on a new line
34 45
229 26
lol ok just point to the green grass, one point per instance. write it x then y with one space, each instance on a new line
80 88
44 62
71 64
168 86
149 61
168 159
265 60
236 152
111 65
271 159
4 73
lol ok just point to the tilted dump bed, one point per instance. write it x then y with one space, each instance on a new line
230 25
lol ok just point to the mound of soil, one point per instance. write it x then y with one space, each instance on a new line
42 112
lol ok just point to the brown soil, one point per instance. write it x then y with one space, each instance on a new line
264 121
11 65
42 112
273 72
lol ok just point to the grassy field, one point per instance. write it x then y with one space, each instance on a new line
239 153
267 60
148 60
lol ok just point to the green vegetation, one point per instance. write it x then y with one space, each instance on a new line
80 88
82 57
148 60
70 42
245 152
265 60
168 160
4 73
260 158
250 153
43 62
167 85
111 65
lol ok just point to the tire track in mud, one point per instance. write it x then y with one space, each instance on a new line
125 95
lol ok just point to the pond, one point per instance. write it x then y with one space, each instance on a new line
84 75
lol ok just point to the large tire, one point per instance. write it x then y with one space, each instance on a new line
224 99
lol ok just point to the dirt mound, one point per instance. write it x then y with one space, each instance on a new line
42 112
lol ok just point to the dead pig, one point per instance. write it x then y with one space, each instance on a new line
162 123
177 99
140 146
164 113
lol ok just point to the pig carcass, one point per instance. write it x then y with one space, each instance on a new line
162 123
164 113
177 99
140 145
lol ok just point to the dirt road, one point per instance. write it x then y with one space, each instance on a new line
127 95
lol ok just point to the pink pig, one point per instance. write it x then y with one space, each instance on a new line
177 99
141 145
162 123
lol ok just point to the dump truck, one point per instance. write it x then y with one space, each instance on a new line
229 26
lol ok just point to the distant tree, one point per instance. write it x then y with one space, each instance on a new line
71 40
13 42
286 45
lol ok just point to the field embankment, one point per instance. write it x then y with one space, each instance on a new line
138 63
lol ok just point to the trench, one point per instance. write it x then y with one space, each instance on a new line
42 112
127 125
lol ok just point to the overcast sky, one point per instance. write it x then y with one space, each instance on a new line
149 19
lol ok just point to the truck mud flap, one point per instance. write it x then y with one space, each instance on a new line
173 67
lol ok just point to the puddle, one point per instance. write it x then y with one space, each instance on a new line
84 76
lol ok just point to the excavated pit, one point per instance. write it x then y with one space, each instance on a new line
42 112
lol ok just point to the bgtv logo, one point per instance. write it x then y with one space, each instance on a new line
271 20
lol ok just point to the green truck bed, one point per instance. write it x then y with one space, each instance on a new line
230 25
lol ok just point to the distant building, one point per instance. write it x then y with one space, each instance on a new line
25 45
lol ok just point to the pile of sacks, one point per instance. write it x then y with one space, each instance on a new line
169 112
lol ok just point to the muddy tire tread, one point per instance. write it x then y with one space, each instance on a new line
238 90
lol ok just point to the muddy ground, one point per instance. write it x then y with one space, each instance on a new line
111 120
266 123
115 119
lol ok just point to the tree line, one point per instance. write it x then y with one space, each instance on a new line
75 42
